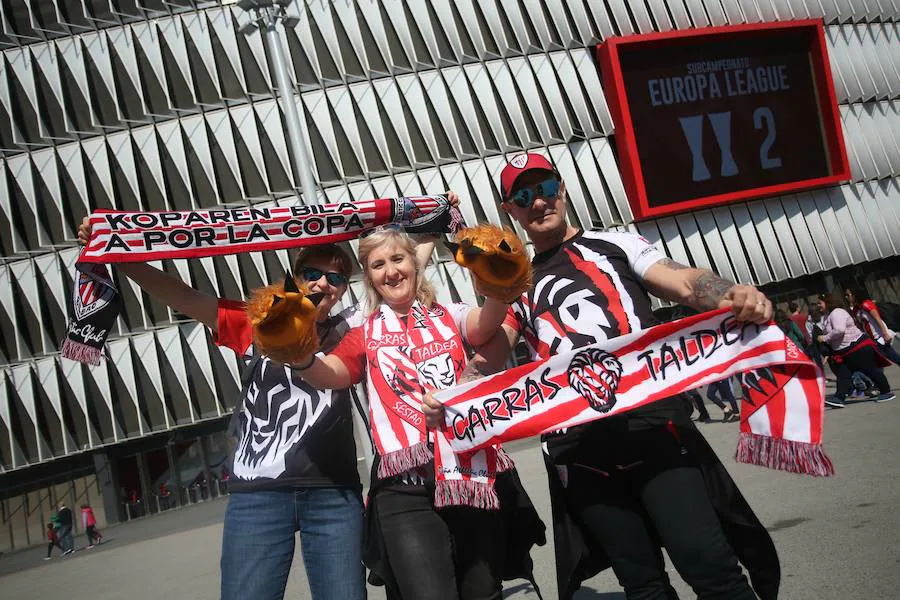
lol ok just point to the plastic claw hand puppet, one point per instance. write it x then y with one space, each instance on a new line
497 259
284 322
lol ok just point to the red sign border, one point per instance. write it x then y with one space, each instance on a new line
617 100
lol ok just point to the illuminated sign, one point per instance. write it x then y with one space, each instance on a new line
715 115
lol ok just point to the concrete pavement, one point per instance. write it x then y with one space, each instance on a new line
837 537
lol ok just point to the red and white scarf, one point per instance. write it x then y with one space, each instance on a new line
119 237
144 236
781 412
405 358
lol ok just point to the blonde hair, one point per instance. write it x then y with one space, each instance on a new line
425 292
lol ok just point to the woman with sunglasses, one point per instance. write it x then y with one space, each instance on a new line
409 344
852 351
295 466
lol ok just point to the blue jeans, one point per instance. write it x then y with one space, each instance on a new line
259 536
66 538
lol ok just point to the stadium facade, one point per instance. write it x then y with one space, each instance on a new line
170 105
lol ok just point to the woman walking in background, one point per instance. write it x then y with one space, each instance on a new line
89 522
720 391
852 351
868 317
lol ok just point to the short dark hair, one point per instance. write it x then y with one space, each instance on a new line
793 307
859 293
331 253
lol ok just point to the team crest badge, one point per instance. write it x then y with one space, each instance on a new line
519 161
93 295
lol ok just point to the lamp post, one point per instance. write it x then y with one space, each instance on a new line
268 13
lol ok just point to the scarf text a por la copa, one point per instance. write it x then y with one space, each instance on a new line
193 229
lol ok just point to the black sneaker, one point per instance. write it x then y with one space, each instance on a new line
834 402
884 397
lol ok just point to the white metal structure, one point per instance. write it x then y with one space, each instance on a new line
164 105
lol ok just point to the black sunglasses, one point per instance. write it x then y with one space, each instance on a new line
311 274
525 197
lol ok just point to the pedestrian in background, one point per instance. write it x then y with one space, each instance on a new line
89 522
52 540
801 319
693 396
720 391
66 522
852 351
789 326
869 319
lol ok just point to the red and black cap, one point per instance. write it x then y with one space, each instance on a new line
517 166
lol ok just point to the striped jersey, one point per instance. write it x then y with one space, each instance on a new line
588 289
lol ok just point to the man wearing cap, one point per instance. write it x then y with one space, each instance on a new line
624 485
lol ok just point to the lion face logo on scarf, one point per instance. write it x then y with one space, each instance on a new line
438 371
595 374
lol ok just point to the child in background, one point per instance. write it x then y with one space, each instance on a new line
52 539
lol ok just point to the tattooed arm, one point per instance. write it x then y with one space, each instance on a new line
703 290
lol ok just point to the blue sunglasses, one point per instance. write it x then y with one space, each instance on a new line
525 197
311 274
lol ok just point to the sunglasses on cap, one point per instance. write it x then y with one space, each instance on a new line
525 197
311 274
385 227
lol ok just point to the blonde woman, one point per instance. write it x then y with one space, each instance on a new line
425 539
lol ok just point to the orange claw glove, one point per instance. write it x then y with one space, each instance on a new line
497 259
284 322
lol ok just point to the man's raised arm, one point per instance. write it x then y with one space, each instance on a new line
703 290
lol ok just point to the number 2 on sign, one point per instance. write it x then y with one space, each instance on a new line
721 125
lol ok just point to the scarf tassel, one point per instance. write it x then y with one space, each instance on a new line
465 492
400 461
81 352
504 461
785 455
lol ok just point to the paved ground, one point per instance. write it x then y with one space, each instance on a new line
838 537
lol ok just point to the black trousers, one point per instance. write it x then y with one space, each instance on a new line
862 360
450 554
92 533
723 389
694 399
50 546
648 491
